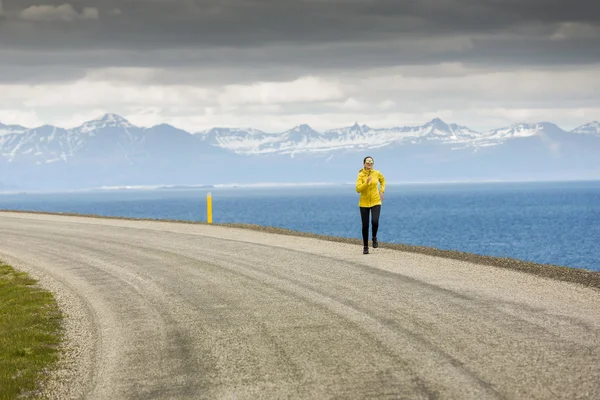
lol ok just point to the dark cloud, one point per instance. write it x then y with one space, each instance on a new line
488 14
278 38
38 74
547 11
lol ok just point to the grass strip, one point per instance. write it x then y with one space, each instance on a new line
30 334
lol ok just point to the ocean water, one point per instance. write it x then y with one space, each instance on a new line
546 222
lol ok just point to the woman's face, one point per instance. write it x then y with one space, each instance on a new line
369 163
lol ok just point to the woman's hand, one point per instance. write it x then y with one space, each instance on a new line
381 195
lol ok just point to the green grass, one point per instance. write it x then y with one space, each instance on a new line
30 334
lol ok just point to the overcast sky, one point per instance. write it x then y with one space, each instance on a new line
274 64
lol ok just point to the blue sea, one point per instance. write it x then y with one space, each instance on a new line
546 222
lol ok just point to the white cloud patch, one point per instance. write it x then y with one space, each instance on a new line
84 93
61 13
506 86
351 104
387 104
12 116
90 13
479 98
302 90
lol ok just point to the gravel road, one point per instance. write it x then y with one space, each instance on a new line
160 310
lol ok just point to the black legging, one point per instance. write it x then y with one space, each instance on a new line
364 215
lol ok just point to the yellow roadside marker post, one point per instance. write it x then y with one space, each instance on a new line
209 208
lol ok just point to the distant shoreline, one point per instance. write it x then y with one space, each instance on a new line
258 185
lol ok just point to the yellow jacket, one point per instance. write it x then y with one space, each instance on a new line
369 195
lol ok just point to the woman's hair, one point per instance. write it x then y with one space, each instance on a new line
365 159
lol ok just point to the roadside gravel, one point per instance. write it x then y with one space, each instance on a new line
178 310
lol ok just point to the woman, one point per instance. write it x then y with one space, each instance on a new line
370 200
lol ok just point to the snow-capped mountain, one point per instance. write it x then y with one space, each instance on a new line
304 139
239 140
108 137
102 151
46 143
112 133
519 130
299 137
112 151
104 122
438 130
592 128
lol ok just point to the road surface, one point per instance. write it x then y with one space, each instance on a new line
160 310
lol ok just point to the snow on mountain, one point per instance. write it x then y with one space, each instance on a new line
300 137
355 136
113 134
363 136
592 128
239 140
438 130
514 131
49 144
104 122
304 139
519 130
110 151
11 129
44 143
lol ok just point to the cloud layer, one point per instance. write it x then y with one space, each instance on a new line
278 63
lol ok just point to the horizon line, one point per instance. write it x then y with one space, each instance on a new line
270 185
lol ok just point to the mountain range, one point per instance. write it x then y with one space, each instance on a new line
110 151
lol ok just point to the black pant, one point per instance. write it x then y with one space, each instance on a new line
364 216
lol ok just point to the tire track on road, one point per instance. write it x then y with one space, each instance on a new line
289 322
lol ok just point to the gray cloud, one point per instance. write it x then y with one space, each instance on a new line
250 23
214 66
38 74
280 39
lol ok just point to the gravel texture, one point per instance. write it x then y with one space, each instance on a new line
159 309
586 277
